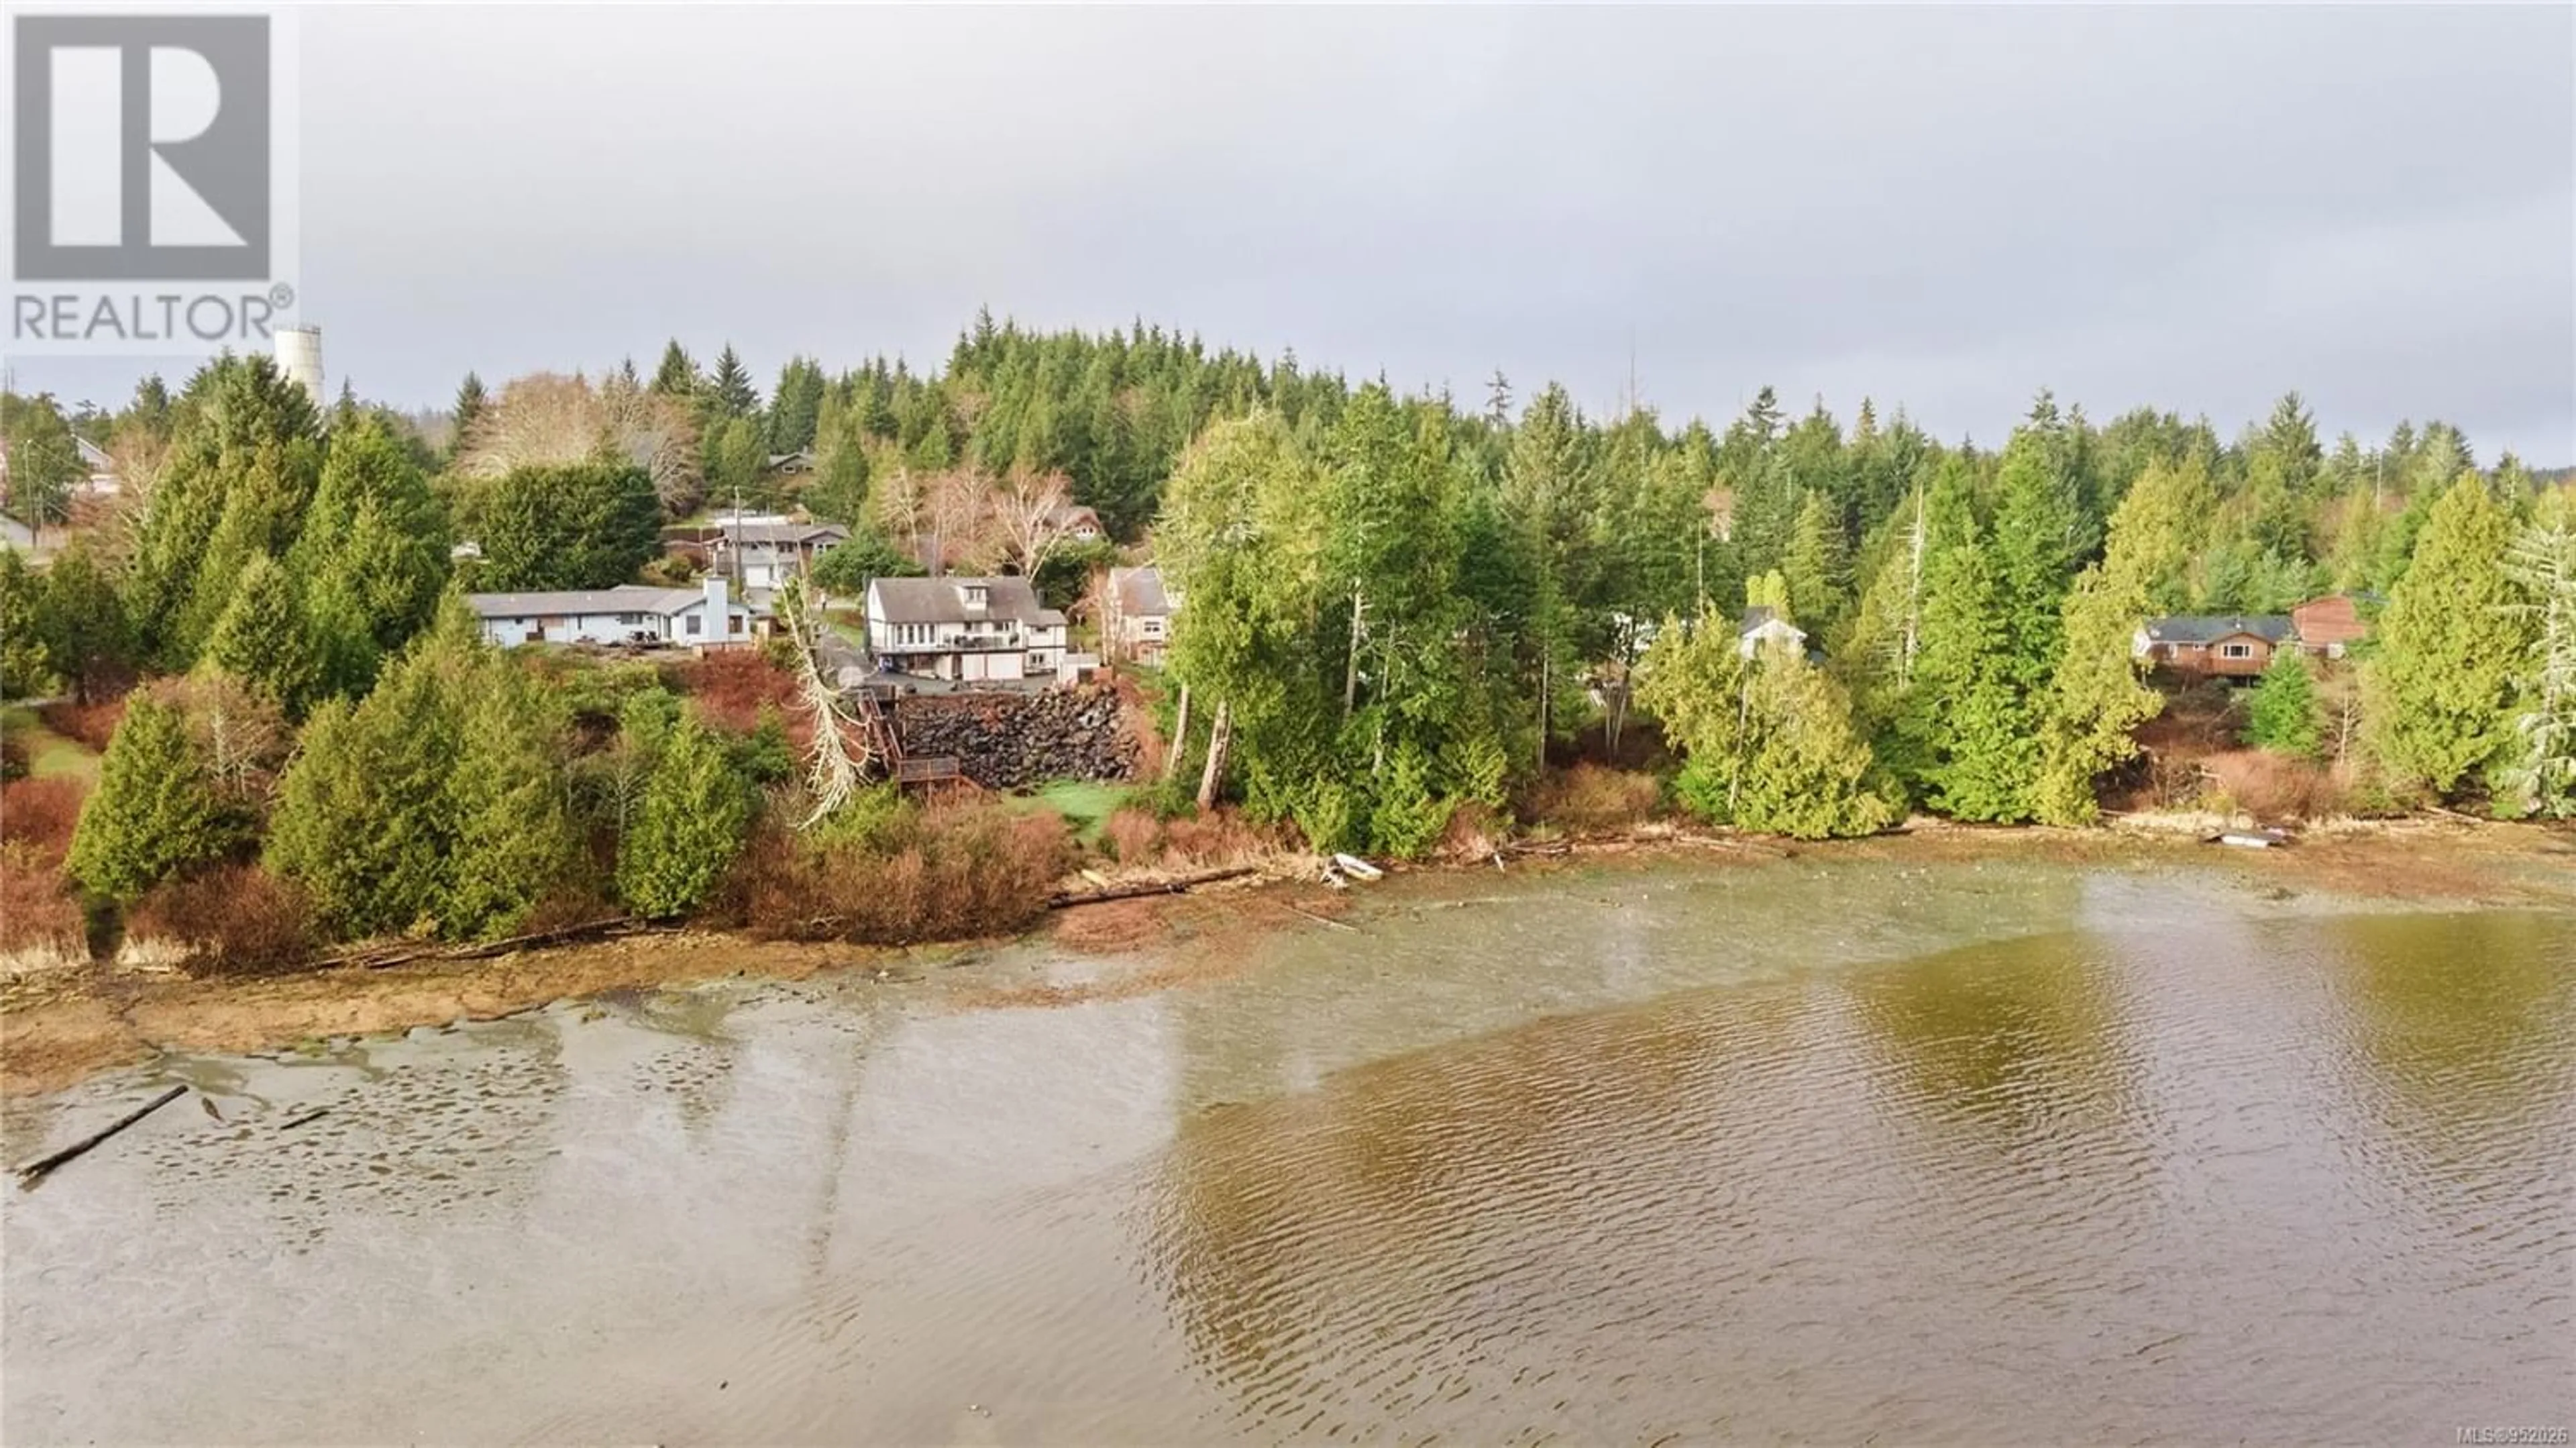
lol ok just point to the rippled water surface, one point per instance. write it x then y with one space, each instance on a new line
1815 1151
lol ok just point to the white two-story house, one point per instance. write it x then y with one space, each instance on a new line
966 629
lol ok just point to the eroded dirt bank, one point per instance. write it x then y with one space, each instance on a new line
56 1029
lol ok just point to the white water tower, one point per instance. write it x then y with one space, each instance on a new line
299 356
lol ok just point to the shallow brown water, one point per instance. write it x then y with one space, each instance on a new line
1817 1151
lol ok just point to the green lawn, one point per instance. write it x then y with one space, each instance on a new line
849 625
49 755
1085 804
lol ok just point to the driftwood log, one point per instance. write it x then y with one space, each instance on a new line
383 956
1181 886
34 1171
1322 920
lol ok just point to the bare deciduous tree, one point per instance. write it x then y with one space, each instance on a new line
1035 515
1721 510
244 736
548 418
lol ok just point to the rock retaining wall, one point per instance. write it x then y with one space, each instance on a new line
1011 741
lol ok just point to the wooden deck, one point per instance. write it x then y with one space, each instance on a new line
926 771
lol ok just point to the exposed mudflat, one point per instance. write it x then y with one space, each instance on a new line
57 1028
1932 1140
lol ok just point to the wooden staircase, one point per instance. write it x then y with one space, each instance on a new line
877 724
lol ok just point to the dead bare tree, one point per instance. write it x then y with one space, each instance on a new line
547 418
660 435
834 763
1720 503
958 505
1034 512
900 506
245 737
1220 739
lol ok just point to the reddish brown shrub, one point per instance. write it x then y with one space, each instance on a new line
40 918
232 920
40 814
1590 798
1132 835
92 724
2273 786
1473 834
1216 840
565 906
731 685
947 873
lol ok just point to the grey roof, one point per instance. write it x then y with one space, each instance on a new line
2204 628
624 598
943 600
1140 591
93 456
1762 613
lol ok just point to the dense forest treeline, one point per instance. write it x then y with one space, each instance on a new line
1398 608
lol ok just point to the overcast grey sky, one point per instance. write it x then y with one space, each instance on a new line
1945 208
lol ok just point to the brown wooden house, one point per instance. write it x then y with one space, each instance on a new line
2203 645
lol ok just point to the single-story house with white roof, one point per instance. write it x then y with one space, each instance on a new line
628 613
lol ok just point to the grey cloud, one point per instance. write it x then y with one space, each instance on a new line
2185 206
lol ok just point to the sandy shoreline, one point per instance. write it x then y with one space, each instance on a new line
58 1028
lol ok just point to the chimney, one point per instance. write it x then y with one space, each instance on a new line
719 625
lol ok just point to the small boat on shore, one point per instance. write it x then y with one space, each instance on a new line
2250 840
1357 868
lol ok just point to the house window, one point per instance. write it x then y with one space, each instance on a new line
2236 651
694 625
733 623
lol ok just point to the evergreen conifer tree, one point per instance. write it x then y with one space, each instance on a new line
677 376
81 622
365 820
471 400
2540 776
730 388
2437 696
689 829
2095 701
513 819
156 812
2285 715
26 666
262 638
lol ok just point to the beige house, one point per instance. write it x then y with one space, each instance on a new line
1139 609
